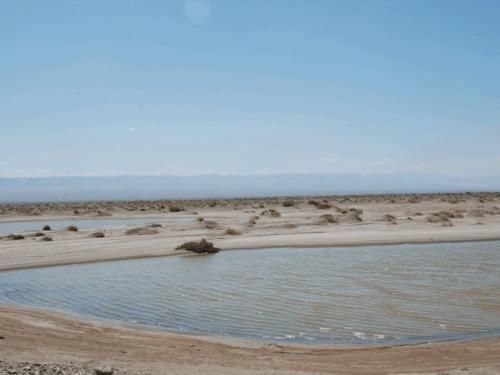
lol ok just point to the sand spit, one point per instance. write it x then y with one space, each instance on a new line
246 224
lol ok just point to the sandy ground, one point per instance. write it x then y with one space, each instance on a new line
39 336
474 218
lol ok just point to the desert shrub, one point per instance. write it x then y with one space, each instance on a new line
210 224
436 218
46 238
15 237
288 204
327 218
202 246
270 212
200 219
175 209
98 235
140 231
312 202
232 232
389 217
156 225
46 227
72 228
324 206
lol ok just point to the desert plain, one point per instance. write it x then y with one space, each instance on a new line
31 336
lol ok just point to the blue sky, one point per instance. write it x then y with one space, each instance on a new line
246 87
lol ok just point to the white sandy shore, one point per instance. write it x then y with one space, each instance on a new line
40 336
297 227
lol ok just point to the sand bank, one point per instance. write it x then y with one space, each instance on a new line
39 336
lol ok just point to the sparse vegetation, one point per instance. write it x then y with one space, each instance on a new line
175 209
232 232
327 219
288 204
46 228
15 237
324 206
270 212
99 234
140 231
202 246
72 228
210 224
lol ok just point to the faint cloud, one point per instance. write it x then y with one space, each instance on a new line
132 130
197 11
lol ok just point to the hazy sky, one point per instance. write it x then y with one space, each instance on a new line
261 86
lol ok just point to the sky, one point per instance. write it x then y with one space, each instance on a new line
190 87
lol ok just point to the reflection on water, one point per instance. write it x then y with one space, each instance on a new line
345 295
24 226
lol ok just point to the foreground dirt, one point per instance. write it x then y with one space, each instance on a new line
41 337
248 223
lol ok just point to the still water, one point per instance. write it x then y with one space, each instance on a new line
25 226
377 294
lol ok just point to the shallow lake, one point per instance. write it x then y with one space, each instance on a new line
373 294
94 223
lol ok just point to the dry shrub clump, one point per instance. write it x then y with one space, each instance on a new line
72 228
15 237
46 238
211 224
199 247
175 209
288 204
46 227
271 212
99 234
232 232
156 225
140 231
323 206
327 219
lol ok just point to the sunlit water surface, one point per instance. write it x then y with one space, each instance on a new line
377 294
86 223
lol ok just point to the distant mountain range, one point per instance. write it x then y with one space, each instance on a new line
229 186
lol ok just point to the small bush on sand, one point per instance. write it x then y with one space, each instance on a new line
156 225
72 228
15 237
389 218
436 218
39 234
210 224
199 247
312 202
175 209
324 206
288 204
200 219
270 212
140 231
98 235
46 238
232 232
327 219
46 227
